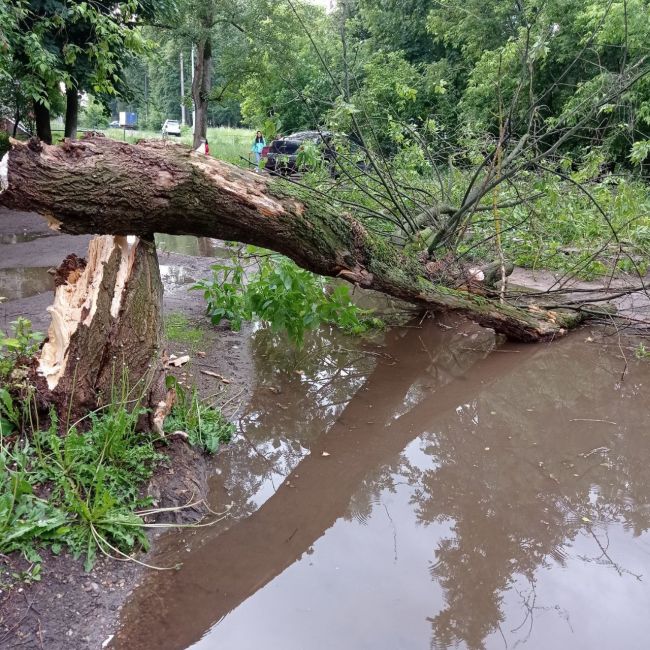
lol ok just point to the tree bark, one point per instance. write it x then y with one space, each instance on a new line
42 119
71 113
16 120
103 186
105 339
201 86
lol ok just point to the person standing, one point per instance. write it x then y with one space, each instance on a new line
258 145
203 148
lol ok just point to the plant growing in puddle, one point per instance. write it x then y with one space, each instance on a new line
281 294
205 426
641 352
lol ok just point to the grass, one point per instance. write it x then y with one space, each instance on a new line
205 426
641 352
179 329
82 489
229 144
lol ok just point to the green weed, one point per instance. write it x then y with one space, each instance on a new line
641 352
16 350
206 427
179 329
78 491
17 346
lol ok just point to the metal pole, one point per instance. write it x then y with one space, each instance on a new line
146 99
182 92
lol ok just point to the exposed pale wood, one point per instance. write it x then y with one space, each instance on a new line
104 341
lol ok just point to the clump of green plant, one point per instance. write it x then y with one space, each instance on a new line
282 294
16 349
26 520
205 426
17 345
641 352
565 229
79 491
10 413
179 329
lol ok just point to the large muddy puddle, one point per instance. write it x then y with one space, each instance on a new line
194 246
428 491
23 282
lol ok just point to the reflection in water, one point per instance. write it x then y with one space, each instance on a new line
19 238
194 246
174 276
25 282
468 500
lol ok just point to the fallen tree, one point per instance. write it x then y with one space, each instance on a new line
105 187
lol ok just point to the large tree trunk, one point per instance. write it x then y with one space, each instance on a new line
103 186
201 86
105 339
16 120
71 113
42 119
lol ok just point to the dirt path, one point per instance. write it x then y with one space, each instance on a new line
69 609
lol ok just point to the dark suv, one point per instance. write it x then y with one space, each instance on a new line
283 152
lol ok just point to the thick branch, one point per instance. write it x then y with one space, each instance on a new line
103 186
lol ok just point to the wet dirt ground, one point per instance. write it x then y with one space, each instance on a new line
428 488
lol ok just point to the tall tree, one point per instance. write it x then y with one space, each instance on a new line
82 45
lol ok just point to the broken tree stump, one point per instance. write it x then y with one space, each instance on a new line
105 339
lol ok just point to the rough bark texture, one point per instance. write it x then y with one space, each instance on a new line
201 86
104 342
42 119
71 113
103 186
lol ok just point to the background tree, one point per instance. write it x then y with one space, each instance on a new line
82 46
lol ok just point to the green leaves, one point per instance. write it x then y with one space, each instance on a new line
23 344
206 427
281 294
640 151
92 481
9 414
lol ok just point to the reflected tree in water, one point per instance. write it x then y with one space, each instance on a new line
518 485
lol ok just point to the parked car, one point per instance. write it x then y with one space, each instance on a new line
171 127
283 152
114 125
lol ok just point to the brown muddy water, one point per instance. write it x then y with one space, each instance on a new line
430 491
194 246
24 282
